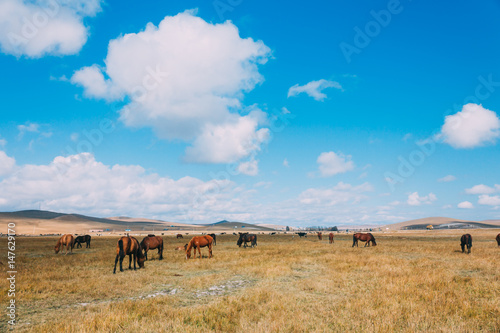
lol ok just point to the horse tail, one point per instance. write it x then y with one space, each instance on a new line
121 253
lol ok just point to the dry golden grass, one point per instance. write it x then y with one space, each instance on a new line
410 282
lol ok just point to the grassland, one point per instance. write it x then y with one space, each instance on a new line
410 282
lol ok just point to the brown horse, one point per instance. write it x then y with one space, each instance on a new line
129 246
179 236
66 240
152 242
466 240
246 237
330 237
498 239
320 236
364 238
198 242
83 239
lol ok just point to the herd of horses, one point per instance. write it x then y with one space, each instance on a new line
138 252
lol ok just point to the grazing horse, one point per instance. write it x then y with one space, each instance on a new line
302 234
320 236
330 237
129 246
198 242
245 237
152 242
214 238
498 239
66 240
466 240
364 238
179 236
83 239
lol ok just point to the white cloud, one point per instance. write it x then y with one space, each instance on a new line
39 27
249 168
314 89
446 179
465 205
489 200
331 163
415 200
407 136
80 184
7 164
340 193
472 127
3 142
482 189
285 163
185 79
29 127
228 142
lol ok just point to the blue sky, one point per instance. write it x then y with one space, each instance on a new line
315 113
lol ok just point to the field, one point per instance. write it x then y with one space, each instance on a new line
410 282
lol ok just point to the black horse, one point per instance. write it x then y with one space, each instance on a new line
82 239
245 237
466 240
302 234
213 236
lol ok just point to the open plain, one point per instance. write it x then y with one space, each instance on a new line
413 281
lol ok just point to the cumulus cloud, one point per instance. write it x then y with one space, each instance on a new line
81 184
314 89
465 205
472 127
415 200
331 163
7 164
489 200
340 193
447 179
249 168
482 189
39 27
185 79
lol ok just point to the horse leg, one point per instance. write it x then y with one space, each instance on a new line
121 262
135 258
130 261
160 251
199 251
146 253
116 261
209 250
463 247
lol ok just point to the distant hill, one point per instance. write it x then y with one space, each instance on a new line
442 223
46 222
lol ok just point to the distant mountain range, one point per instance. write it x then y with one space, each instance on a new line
42 222
442 223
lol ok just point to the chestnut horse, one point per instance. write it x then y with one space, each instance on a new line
364 238
66 240
152 242
198 242
214 238
320 236
179 236
466 240
330 236
129 246
498 239
83 239
245 237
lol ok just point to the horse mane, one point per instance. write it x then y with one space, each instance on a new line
190 245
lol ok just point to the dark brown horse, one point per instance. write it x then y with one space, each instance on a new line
330 237
214 238
364 238
498 239
129 246
246 237
466 240
198 242
152 242
83 239
320 236
67 241
179 236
